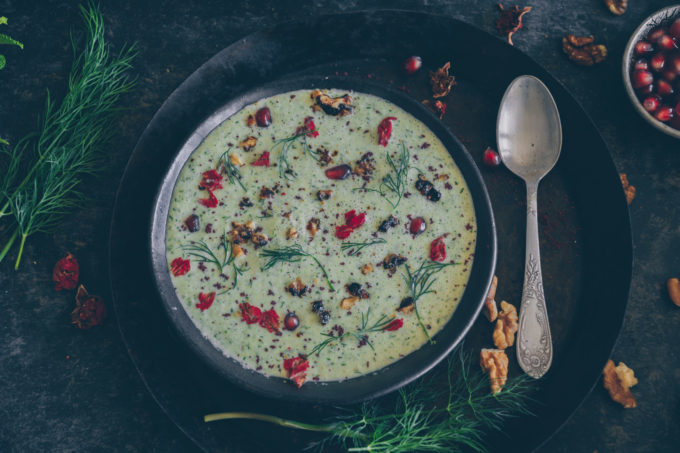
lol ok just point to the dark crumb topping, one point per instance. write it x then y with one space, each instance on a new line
393 260
245 203
364 167
390 222
323 195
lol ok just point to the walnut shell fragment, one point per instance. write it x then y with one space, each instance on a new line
627 188
618 381
495 363
616 7
582 51
441 82
490 308
506 326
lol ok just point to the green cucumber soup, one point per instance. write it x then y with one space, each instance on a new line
320 235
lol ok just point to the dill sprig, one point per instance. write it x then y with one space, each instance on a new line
424 417
361 334
291 254
395 181
7 40
285 169
420 283
68 144
230 170
204 254
356 247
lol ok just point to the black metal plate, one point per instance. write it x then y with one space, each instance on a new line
585 230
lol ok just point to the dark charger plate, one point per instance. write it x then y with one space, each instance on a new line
585 230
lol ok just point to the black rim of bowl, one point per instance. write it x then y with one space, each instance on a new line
366 386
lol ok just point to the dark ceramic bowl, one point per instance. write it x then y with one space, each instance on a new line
661 17
370 385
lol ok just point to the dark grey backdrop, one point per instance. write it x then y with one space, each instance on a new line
66 390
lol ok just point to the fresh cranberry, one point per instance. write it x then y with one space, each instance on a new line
643 48
263 117
641 64
655 34
665 42
339 173
651 103
491 158
675 29
417 226
412 64
642 79
657 62
664 88
291 321
664 114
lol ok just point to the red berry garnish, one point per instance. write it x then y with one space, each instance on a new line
674 63
291 321
665 42
412 64
491 158
643 48
675 29
664 114
641 64
657 62
664 88
642 79
263 117
651 103
669 75
655 34
417 226
343 231
339 173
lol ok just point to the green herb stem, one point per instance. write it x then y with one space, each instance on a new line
269 419
232 171
292 254
356 247
395 181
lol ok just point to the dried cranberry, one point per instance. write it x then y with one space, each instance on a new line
417 226
297 369
65 273
412 64
491 157
343 231
339 173
263 117
210 202
387 224
250 314
270 320
193 223
90 310
210 180
353 220
291 321
396 324
180 266
205 301
438 250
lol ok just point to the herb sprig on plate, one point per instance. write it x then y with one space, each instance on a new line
204 254
361 334
291 254
232 172
356 247
394 183
285 169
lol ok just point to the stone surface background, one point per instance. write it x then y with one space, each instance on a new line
66 390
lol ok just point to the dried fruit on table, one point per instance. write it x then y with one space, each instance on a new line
495 363
618 380
90 310
617 7
65 273
673 286
582 51
490 308
510 20
506 326
441 82
627 188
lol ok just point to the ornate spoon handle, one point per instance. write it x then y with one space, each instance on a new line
534 343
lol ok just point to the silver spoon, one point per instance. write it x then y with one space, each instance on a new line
529 138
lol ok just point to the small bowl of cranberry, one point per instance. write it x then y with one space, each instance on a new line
651 70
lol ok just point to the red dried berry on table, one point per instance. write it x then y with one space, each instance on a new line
90 310
65 273
296 368
262 161
210 180
417 226
263 117
339 173
385 130
343 231
412 64
180 266
210 202
291 321
205 301
270 320
396 324
250 314
438 249
490 158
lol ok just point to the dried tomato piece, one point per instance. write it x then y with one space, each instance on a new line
339 173
438 250
250 314
310 127
355 221
385 130
205 300
211 180
65 273
270 320
396 324
210 202
343 231
296 368
180 266
90 310
262 161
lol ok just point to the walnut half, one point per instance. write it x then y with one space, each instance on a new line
490 309
495 363
506 326
618 380
582 51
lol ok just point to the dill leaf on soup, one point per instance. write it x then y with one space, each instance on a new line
68 144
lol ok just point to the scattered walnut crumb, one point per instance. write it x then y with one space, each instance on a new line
441 82
291 233
259 239
248 144
250 121
506 326
236 160
627 188
241 232
348 302
338 106
618 381
673 286
490 309
297 288
443 177
237 251
367 268
313 226
495 362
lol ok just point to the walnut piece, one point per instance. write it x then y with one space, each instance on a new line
297 288
506 326
627 188
259 239
490 309
241 232
250 121
617 7
582 51
618 381
291 233
367 268
673 286
237 251
441 82
236 160
313 226
348 302
339 106
248 144
495 362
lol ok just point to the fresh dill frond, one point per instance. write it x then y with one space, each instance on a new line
291 254
7 40
204 254
285 169
360 334
68 144
356 247
395 181
224 164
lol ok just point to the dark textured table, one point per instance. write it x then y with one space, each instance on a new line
62 389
